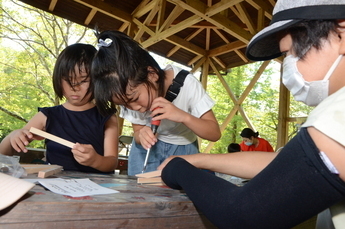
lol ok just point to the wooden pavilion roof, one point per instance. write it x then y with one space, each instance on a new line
188 32
207 34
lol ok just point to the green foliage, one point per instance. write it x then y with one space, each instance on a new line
260 106
31 40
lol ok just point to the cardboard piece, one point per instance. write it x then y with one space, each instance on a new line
12 189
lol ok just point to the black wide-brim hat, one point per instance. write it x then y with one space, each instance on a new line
265 44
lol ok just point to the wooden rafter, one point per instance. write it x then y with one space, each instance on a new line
107 9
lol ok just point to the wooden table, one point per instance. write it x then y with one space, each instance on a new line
136 206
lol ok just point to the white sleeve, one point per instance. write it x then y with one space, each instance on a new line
193 98
329 116
134 117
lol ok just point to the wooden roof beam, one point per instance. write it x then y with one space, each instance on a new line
198 65
238 52
208 39
171 31
147 21
200 9
217 31
227 48
170 19
195 59
221 6
190 37
235 11
242 55
253 81
257 4
161 14
52 5
246 18
261 20
144 7
186 45
182 43
221 63
90 16
107 9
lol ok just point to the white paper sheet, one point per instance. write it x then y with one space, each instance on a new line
75 187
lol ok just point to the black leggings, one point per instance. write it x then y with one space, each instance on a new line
294 187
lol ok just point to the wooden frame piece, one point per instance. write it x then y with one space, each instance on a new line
156 173
143 180
51 137
150 178
42 169
49 172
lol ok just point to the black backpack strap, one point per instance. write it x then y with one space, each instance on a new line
176 85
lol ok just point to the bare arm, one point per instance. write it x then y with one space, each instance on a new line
334 150
5 146
241 164
205 127
17 140
86 155
144 136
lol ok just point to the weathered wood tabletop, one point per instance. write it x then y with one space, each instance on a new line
136 206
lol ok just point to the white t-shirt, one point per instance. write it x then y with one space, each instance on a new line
329 116
192 99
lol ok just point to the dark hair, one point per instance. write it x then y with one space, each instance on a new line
248 133
310 33
234 147
80 55
121 63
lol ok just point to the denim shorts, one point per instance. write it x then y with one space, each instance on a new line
159 152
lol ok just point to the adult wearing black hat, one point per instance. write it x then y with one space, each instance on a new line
252 142
308 174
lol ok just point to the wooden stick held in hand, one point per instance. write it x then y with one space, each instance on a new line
51 137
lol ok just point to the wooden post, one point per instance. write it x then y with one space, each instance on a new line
283 114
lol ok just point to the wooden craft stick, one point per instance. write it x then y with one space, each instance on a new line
49 172
156 173
51 137
143 180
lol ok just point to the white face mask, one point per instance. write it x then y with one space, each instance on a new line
310 93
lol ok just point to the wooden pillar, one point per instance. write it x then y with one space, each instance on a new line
283 114
204 73
120 124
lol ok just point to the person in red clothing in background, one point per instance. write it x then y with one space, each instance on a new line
251 141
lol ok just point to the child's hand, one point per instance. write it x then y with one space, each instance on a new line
84 154
147 138
20 138
167 110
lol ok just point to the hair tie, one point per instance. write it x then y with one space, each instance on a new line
104 43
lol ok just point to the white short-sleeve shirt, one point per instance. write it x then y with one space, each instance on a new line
329 117
192 99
